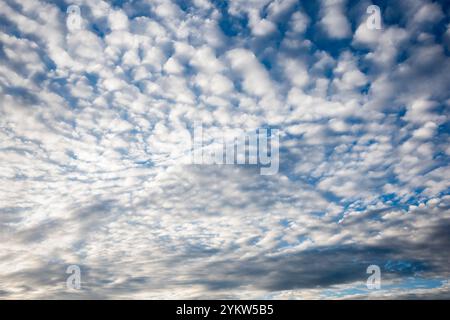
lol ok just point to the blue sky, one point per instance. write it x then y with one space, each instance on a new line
90 116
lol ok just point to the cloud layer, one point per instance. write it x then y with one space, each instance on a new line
90 117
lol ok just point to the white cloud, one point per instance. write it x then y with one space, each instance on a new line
333 20
118 20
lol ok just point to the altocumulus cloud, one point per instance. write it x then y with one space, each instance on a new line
88 118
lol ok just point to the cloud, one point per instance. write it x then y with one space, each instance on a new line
93 131
333 20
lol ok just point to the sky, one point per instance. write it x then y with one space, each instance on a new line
96 102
